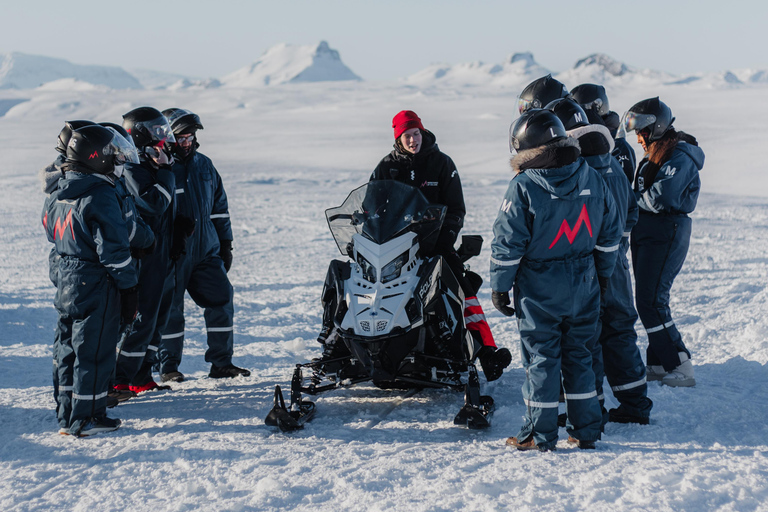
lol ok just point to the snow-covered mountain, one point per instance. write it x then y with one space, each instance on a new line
517 69
286 63
23 71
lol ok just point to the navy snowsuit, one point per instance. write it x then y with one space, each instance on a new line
625 156
85 220
200 270
666 194
557 230
615 354
152 189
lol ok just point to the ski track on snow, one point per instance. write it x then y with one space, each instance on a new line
283 161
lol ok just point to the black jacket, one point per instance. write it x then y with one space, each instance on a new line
432 172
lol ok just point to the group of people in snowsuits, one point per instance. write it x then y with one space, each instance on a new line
137 217
573 208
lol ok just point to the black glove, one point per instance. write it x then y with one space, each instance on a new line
183 227
446 241
226 253
141 253
129 304
501 302
603 282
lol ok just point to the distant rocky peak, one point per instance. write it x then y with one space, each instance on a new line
604 62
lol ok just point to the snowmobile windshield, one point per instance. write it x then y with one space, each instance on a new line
383 210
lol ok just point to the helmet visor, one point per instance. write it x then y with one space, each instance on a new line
158 129
121 149
524 105
632 121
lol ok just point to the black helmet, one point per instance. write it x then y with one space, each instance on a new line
66 133
651 116
540 92
569 112
591 97
98 149
182 120
148 127
119 129
535 128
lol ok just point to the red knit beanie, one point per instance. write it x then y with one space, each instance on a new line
405 120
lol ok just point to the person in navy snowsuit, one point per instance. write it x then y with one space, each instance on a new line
555 243
594 100
151 183
666 188
95 276
201 259
615 354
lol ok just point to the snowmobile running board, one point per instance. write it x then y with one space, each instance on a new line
478 409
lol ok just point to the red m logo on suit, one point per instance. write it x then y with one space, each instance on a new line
569 233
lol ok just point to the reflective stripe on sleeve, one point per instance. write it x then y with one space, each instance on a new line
165 192
626 234
179 190
612 248
66 388
660 327
541 405
648 202
132 354
506 263
133 232
172 335
220 216
631 385
123 264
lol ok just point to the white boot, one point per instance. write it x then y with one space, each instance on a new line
682 376
654 373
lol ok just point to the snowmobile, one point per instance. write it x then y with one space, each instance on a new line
397 313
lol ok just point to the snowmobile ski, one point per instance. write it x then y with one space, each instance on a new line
288 421
478 409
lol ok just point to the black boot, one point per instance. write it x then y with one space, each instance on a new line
493 361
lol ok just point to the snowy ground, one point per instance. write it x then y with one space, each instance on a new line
285 155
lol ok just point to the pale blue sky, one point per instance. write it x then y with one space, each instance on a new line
392 39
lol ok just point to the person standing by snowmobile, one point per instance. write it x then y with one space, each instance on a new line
152 184
417 161
593 99
556 239
615 354
200 262
96 278
667 188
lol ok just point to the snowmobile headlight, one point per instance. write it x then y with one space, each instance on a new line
369 272
392 269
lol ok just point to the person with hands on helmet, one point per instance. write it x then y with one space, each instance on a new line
417 161
666 188
614 346
556 235
200 266
97 282
594 101
152 185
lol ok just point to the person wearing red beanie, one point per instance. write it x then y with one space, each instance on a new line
417 161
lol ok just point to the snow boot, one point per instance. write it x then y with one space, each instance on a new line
582 445
119 393
228 371
621 415
653 372
149 386
493 361
174 376
97 425
527 444
682 376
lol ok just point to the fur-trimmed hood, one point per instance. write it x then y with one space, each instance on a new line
50 175
594 139
566 179
556 154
